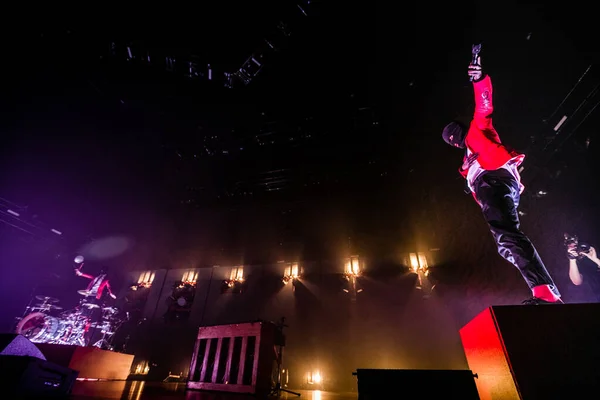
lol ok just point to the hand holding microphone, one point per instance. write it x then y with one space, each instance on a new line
475 72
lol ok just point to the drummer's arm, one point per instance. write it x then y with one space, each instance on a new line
79 273
110 293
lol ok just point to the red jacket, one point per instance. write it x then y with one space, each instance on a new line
481 137
103 284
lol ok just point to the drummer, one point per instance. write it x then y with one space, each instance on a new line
97 284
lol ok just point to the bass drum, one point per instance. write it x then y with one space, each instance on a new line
38 327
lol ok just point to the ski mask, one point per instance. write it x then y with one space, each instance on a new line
454 134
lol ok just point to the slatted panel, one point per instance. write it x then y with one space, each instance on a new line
233 358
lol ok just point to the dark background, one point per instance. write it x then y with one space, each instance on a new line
333 148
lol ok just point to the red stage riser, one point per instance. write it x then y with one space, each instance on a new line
534 352
91 362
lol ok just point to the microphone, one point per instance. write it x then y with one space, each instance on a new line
475 49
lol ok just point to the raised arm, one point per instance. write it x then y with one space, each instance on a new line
593 256
484 107
574 274
79 273
482 88
106 284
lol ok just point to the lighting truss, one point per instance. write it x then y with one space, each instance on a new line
17 217
582 100
192 68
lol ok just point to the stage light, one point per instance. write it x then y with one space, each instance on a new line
352 266
193 70
291 273
236 278
419 265
56 232
250 68
189 278
314 378
170 64
237 274
352 269
146 278
418 262
414 262
78 259
16 214
142 368
560 123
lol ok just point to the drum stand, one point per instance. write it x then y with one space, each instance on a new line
276 391
103 344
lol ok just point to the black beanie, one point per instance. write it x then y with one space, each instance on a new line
454 134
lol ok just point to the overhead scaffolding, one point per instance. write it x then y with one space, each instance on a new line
192 68
561 128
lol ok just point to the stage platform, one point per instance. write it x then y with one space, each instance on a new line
140 390
534 352
513 352
91 362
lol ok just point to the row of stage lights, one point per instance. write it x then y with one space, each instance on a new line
353 268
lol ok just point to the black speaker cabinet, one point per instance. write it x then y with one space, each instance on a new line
25 372
417 384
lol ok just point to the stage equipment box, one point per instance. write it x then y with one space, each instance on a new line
234 358
422 384
91 362
535 352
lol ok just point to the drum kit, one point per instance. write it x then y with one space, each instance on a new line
45 322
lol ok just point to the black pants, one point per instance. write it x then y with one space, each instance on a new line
498 194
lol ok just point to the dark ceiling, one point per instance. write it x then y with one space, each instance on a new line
340 124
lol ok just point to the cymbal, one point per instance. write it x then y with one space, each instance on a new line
84 292
90 305
47 299
46 306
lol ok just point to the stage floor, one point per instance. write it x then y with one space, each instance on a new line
139 390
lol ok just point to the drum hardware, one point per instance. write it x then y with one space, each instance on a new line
108 326
76 326
42 306
109 310
47 299
71 327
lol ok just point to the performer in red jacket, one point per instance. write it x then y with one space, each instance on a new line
492 174
97 284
